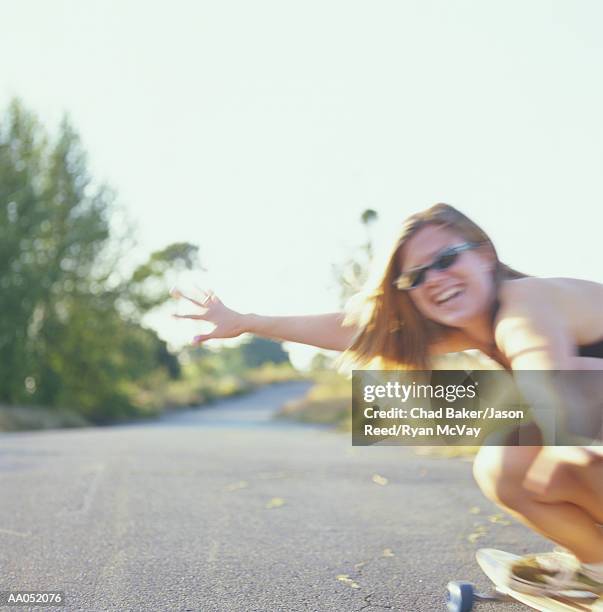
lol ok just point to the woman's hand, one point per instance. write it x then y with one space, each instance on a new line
327 331
228 323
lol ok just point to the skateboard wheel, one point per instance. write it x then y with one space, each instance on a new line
460 596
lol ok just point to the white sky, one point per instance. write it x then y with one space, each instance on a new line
261 130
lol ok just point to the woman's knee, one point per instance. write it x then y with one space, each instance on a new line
560 473
488 473
500 473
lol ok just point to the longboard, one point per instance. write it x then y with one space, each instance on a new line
495 564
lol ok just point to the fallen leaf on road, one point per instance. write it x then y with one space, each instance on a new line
473 537
237 485
21 534
477 534
474 510
387 552
347 580
380 480
499 518
269 475
275 502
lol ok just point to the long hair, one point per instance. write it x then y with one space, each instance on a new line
392 332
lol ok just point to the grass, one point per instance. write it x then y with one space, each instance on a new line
157 395
328 402
198 386
25 418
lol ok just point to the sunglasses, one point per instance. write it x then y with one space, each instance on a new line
444 260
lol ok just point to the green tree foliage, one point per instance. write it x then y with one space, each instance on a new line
253 352
321 362
258 351
352 273
367 218
146 287
70 333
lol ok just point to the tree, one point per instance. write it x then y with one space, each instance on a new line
351 274
70 335
367 218
321 362
258 351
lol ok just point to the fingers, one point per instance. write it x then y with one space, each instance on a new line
202 304
196 302
207 295
194 317
202 338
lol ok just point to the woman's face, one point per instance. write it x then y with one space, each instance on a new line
457 295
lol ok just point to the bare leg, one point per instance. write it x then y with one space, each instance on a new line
568 474
556 495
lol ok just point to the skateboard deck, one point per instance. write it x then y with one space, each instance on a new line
496 564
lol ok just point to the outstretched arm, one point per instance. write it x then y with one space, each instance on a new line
322 330
325 331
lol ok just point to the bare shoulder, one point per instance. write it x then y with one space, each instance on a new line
523 294
570 303
524 302
547 291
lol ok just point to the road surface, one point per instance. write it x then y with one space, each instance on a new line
221 509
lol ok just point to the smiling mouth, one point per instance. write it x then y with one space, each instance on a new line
448 296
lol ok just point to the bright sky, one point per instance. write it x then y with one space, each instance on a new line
261 130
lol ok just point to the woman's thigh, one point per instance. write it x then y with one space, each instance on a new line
518 476
567 473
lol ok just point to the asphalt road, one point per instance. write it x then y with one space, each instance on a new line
220 509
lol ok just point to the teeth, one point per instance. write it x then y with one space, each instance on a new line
446 295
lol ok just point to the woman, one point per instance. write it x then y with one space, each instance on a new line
444 290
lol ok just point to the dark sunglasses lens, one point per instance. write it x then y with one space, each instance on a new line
417 278
412 280
445 260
